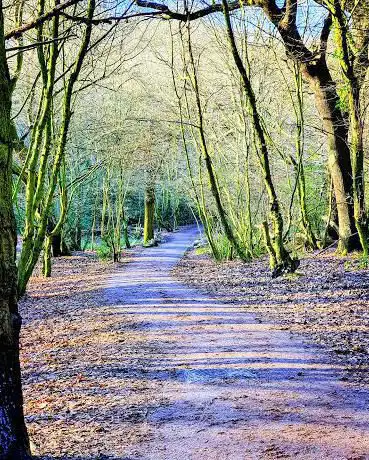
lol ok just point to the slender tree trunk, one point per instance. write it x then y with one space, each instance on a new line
126 235
14 443
46 266
198 196
227 228
310 240
105 198
77 237
149 215
125 229
282 261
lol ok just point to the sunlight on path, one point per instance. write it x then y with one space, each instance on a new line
215 384
149 369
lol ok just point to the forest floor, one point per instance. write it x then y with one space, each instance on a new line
124 362
327 300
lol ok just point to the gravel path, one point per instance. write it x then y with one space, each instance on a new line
160 371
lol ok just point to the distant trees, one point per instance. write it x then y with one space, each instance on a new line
344 164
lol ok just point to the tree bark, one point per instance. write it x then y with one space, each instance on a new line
335 126
14 443
149 215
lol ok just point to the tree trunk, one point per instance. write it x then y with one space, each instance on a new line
39 198
149 215
339 163
126 235
298 164
79 236
227 228
56 245
335 124
14 443
356 122
281 262
46 266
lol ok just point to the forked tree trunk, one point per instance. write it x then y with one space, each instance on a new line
315 70
14 443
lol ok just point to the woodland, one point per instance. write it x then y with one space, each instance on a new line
122 122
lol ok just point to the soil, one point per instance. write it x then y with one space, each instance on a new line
126 362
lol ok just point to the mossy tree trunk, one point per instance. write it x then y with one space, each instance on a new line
339 165
281 262
46 263
352 95
39 199
214 188
14 443
149 215
315 70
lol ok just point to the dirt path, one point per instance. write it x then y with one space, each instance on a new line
149 369
222 386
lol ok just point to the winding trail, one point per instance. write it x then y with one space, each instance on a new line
205 380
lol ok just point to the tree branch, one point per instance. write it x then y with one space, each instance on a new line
324 35
191 16
15 33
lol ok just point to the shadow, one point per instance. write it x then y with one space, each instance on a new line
147 364
98 457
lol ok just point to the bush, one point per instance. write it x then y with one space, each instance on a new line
104 252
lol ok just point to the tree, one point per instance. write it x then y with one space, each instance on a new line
14 443
314 67
280 259
39 197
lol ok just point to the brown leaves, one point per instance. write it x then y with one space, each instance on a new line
327 301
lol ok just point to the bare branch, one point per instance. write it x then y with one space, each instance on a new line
15 33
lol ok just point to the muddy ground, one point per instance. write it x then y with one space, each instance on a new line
124 362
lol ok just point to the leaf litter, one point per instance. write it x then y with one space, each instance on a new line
151 369
327 301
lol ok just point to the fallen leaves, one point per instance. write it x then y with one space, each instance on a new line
326 301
